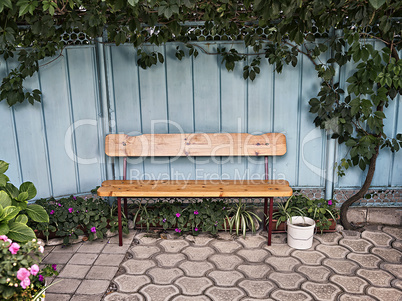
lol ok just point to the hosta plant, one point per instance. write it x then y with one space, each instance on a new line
15 211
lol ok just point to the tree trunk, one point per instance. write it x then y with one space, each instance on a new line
361 193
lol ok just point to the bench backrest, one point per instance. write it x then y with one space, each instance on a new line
196 144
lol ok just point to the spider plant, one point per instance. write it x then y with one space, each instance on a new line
286 211
240 216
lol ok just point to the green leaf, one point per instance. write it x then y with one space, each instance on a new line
376 3
3 180
22 219
24 9
132 2
29 188
4 228
20 232
5 199
22 197
10 212
3 165
37 213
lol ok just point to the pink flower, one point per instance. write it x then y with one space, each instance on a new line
25 283
177 230
178 214
93 229
3 237
74 198
195 229
14 247
23 273
195 212
41 278
71 210
34 269
330 202
60 205
54 267
51 212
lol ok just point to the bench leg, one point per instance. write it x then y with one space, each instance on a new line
271 209
265 214
125 208
119 220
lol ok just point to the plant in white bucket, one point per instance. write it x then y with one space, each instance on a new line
300 232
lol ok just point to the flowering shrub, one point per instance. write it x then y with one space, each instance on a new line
20 276
74 216
206 216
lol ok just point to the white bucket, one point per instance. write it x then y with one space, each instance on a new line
300 237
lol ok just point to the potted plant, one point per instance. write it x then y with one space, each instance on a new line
240 216
20 276
287 210
324 213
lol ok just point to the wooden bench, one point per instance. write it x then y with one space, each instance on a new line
195 145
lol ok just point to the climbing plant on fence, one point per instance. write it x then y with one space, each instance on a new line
276 31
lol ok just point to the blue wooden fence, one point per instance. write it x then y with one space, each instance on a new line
94 90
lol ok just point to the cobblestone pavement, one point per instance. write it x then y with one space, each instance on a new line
346 266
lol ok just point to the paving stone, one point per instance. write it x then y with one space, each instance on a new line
349 297
276 238
225 278
350 234
365 260
309 257
144 252
198 253
385 294
127 238
284 264
333 251
159 292
200 240
102 272
226 246
64 286
115 249
196 268
226 235
257 288
169 260
397 244
131 283
86 259
376 277
314 273
123 297
193 286
350 284
77 297
57 297
287 280
191 298
67 249
253 255
378 239
137 267
74 271
252 241
57 258
225 262
388 254
328 238
91 247
397 283
395 269
164 276
279 250
395 232
356 245
256 271
109 259
173 246
92 287
224 294
144 238
341 266
259 299
321 291
283 295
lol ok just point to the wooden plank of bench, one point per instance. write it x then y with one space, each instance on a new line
209 182
196 144
225 188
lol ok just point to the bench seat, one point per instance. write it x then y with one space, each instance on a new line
196 188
